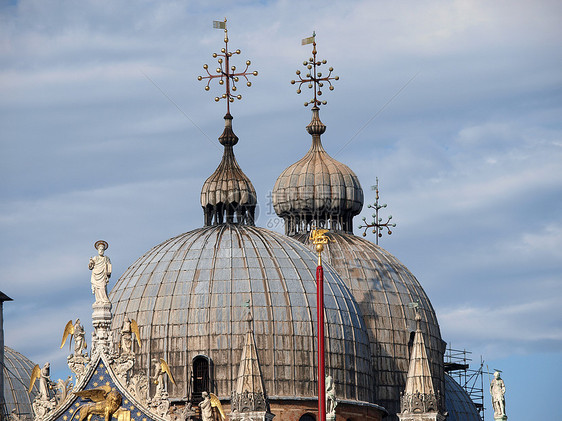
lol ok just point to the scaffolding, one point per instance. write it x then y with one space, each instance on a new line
457 365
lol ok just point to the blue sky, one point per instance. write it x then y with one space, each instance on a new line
106 133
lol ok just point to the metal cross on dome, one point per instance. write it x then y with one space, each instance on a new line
377 225
314 77
226 73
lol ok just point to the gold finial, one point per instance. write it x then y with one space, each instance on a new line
226 73
314 77
319 238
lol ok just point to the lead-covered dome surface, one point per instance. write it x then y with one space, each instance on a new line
385 290
17 375
189 296
317 187
458 403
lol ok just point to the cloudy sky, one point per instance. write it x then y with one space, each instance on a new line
454 105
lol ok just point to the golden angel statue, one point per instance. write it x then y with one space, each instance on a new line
210 401
129 328
45 382
160 368
77 331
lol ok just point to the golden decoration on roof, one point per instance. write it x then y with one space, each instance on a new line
225 72
314 78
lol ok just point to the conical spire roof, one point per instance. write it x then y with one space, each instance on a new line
250 394
317 190
228 195
419 374
420 396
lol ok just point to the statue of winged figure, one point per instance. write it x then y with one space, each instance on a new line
210 401
77 331
129 328
160 368
45 382
105 402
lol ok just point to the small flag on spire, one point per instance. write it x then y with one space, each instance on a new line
217 24
309 40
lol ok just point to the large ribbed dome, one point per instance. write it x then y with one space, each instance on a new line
189 297
17 375
458 403
384 289
317 188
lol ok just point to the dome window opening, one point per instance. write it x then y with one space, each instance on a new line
307 417
201 377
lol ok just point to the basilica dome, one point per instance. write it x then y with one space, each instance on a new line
17 375
386 291
190 295
309 194
458 403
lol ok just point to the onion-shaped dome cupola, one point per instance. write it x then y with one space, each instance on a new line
228 194
317 191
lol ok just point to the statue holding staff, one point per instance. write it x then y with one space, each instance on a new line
100 266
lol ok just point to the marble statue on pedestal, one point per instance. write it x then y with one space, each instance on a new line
331 401
497 390
100 266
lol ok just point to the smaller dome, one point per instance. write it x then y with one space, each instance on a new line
228 194
458 403
17 375
317 190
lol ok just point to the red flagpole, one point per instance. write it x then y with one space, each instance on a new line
321 361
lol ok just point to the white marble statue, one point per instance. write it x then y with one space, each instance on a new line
331 402
43 402
79 338
126 344
206 408
158 377
497 390
100 266
45 383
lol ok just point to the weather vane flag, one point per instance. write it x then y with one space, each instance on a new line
226 74
314 77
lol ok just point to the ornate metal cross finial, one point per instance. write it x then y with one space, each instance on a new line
225 73
313 77
377 225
